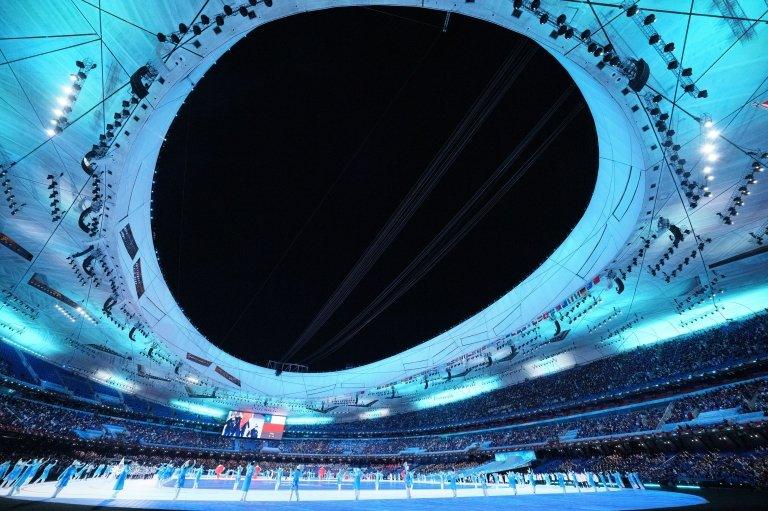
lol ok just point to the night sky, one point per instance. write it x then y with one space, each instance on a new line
344 109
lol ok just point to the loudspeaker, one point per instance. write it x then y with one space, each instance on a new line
641 75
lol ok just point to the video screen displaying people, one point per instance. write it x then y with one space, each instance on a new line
254 425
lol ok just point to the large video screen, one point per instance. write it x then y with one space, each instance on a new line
254 425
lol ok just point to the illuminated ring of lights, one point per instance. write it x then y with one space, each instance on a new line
604 228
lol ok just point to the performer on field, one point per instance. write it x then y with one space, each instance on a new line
25 476
198 474
278 478
512 481
64 478
238 476
356 476
483 483
182 477
561 480
247 481
601 477
408 480
295 478
14 473
120 481
47 470
452 477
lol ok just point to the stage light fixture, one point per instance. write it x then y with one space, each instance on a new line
228 10
161 37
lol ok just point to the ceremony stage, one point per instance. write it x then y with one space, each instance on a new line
217 495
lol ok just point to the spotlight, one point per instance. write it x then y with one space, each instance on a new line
669 47
183 28
161 37
544 18
268 3
219 20
535 4
243 10
649 19
205 20
228 10
632 10
655 38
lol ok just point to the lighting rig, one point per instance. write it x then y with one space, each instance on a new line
609 338
636 72
245 10
589 302
692 190
64 313
614 313
11 328
741 191
19 305
66 102
10 198
692 321
55 197
141 79
701 293
664 49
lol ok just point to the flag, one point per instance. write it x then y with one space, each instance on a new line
274 425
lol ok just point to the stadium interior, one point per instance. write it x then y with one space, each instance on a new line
627 370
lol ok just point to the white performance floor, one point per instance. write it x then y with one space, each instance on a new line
215 495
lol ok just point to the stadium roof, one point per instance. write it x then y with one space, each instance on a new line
89 90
